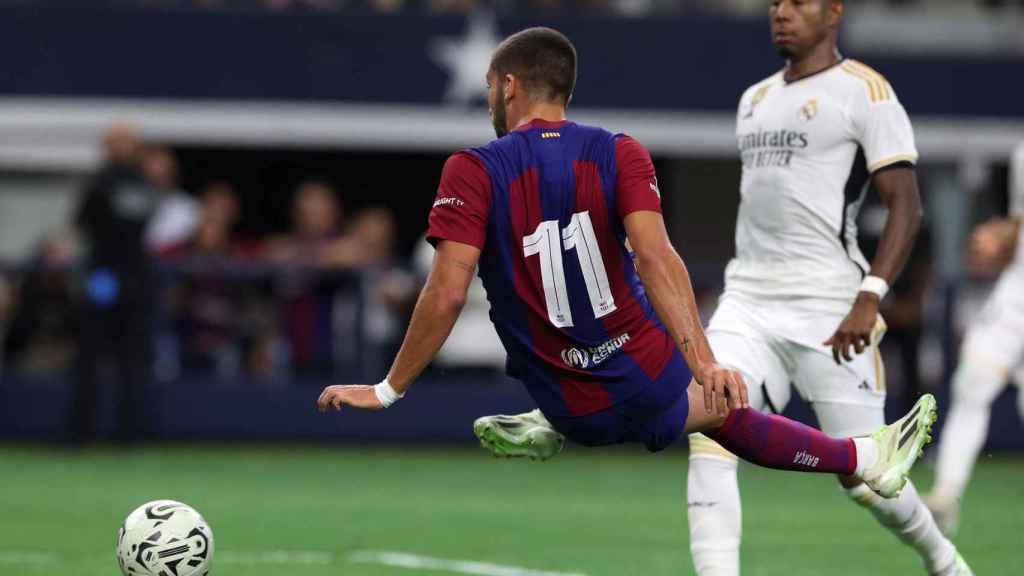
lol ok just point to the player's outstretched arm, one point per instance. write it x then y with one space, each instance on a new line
667 283
437 309
898 190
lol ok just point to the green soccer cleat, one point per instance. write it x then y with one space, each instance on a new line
900 444
527 435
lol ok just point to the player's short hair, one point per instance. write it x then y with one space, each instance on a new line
542 58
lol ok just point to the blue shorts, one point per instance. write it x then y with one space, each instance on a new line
656 417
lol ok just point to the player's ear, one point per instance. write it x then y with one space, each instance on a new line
836 9
511 86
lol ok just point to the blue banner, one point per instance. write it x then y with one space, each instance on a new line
696 63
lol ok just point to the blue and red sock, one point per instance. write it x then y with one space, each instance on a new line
777 442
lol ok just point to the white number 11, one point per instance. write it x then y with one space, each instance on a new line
548 243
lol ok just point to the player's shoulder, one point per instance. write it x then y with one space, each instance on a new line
864 82
758 89
464 162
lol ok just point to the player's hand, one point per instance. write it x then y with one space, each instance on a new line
357 396
855 330
992 245
724 389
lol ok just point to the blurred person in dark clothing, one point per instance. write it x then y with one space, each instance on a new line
903 310
40 338
311 248
116 207
316 225
204 305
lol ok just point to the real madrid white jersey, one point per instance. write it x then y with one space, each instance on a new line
808 149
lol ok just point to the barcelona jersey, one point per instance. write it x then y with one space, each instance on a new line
545 205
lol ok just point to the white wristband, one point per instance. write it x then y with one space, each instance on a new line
875 285
386 395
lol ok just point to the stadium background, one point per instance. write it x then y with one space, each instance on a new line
369 98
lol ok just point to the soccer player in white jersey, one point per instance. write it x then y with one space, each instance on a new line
801 302
992 349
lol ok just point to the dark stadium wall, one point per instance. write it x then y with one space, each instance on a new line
696 63
211 410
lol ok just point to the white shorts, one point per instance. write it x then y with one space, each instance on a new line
775 343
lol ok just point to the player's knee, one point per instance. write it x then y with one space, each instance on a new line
977 382
718 419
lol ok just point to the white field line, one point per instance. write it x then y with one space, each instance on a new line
403 560
284 557
23 557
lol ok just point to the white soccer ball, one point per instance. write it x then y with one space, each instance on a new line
165 538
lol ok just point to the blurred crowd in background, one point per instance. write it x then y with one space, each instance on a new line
219 302
620 7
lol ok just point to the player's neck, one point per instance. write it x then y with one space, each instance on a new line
545 111
822 57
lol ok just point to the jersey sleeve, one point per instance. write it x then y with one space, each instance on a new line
883 128
463 202
636 187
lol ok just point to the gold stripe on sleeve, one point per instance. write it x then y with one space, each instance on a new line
891 160
880 81
873 88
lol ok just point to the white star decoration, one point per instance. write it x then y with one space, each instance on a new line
467 58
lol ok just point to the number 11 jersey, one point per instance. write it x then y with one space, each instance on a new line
545 204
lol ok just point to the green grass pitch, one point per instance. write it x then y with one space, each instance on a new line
306 511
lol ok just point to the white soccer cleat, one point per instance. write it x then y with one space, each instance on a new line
527 435
900 444
946 512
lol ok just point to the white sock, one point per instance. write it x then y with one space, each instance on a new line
909 519
713 507
867 454
975 385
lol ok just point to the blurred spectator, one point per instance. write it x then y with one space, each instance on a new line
116 206
316 224
309 307
205 306
177 213
326 313
40 338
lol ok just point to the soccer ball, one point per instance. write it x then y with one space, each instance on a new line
165 538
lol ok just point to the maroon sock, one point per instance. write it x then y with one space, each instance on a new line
776 442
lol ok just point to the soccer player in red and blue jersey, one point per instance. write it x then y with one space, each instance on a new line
607 341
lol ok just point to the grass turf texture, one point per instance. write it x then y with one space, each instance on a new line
598 512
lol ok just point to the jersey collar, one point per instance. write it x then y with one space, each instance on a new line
540 123
812 74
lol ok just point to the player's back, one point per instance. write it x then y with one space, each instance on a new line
565 296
